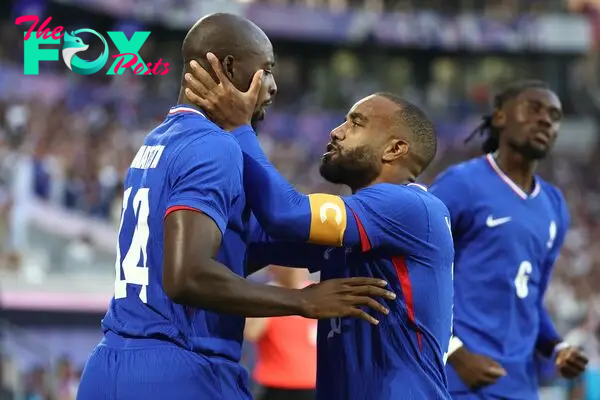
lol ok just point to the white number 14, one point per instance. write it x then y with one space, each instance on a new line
134 274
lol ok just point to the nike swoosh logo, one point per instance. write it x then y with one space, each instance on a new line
492 222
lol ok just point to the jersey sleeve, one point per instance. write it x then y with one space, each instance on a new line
284 213
453 190
207 177
375 216
548 336
389 215
264 250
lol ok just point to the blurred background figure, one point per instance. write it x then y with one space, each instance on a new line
66 380
286 347
67 139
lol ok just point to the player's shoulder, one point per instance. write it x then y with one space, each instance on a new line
431 202
193 142
551 190
413 194
185 126
463 172
554 195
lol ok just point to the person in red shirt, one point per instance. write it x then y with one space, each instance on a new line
286 346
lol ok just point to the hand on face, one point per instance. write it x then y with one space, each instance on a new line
224 104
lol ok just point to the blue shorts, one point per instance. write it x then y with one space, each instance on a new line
160 373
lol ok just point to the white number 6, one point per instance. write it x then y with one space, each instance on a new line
134 273
522 279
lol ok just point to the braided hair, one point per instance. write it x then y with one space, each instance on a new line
486 127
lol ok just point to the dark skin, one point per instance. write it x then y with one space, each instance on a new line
475 370
193 277
191 274
251 51
529 126
362 151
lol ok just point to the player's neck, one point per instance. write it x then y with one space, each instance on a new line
395 176
518 168
183 100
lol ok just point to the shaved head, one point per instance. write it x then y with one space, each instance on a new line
241 47
224 35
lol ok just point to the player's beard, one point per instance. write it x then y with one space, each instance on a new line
254 124
356 167
530 151
257 117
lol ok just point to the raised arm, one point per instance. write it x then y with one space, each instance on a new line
367 219
286 214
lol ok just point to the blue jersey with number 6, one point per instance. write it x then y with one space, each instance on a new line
185 163
506 242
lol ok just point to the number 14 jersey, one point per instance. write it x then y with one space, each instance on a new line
187 163
506 242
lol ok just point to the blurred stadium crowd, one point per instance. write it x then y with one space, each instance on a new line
66 140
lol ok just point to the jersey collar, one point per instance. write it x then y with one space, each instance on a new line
536 189
184 110
422 187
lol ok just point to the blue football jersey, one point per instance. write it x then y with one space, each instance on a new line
399 233
405 240
506 242
187 162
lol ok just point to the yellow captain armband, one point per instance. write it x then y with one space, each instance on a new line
328 219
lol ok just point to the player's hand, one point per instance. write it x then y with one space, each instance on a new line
571 362
222 102
475 370
342 298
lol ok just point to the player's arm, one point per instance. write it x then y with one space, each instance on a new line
284 213
570 360
206 178
263 250
548 337
363 219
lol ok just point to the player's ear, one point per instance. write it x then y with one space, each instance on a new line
395 149
499 119
228 66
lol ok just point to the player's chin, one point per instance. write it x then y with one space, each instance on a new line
259 115
537 151
331 172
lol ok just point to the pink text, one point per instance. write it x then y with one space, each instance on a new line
42 30
138 69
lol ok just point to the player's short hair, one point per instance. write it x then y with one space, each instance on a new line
421 128
486 128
